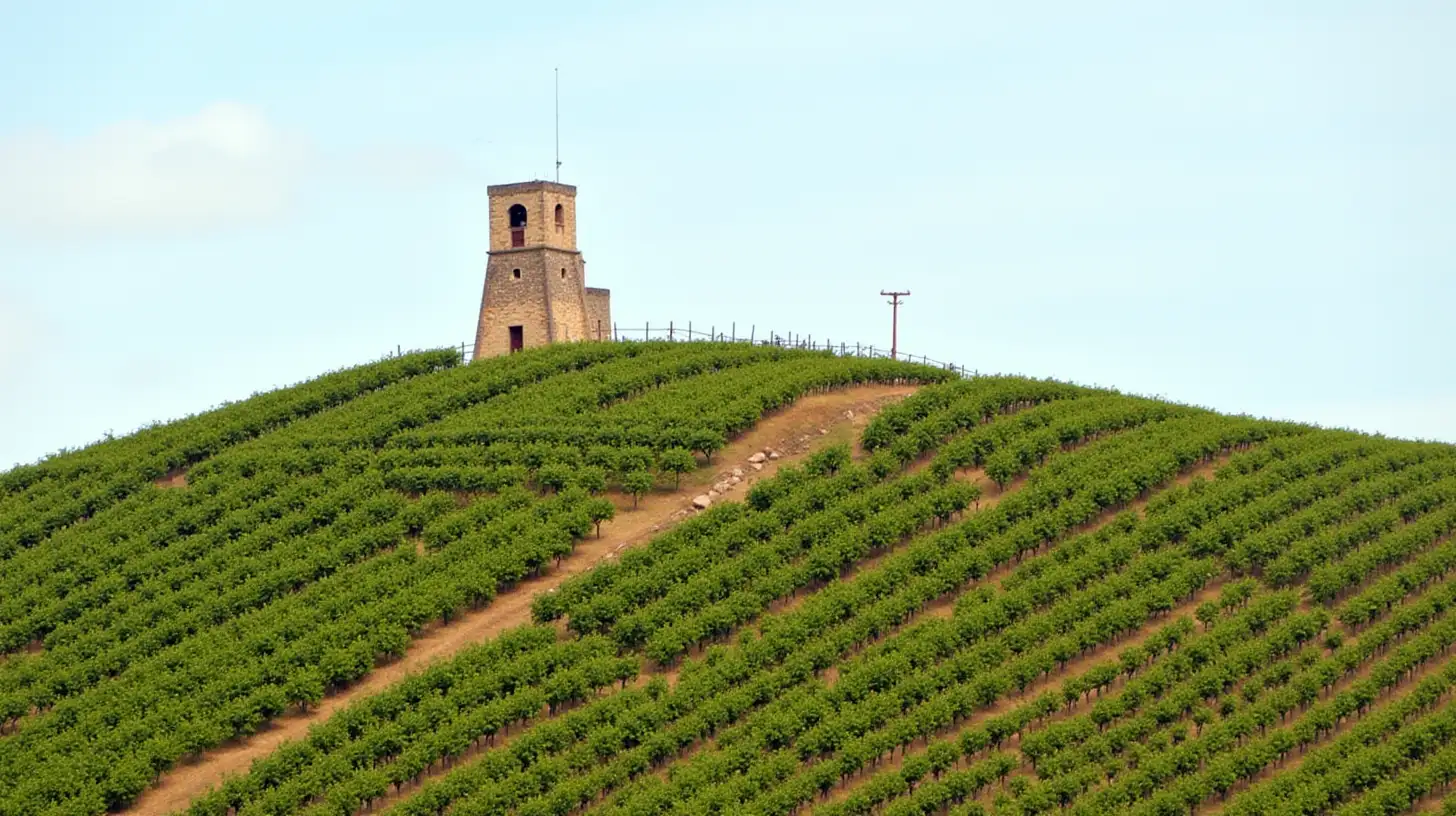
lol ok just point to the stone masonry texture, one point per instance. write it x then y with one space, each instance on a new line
540 286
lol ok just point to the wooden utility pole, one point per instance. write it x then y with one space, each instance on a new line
894 320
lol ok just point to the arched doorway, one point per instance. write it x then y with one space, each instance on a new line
517 216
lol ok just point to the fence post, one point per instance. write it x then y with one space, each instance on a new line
788 340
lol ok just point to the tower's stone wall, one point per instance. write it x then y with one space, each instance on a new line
565 298
540 199
539 286
512 301
598 313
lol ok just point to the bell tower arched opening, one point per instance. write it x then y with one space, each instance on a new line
517 214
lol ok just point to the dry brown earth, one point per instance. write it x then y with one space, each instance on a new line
793 432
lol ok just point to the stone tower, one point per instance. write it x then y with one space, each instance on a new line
535 280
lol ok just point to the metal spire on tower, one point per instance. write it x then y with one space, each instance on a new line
557 72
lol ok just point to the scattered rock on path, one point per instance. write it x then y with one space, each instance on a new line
703 502
773 454
757 458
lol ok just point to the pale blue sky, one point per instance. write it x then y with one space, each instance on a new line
1246 205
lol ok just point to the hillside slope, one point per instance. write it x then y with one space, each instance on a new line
1010 596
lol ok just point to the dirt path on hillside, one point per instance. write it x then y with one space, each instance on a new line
792 433
944 606
172 479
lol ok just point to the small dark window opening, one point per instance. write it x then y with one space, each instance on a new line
516 273
518 338
563 273
517 214
560 218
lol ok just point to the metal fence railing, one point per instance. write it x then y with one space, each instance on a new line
679 333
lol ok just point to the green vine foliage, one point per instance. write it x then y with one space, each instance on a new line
1009 596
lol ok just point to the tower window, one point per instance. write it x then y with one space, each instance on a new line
563 273
516 273
517 214
560 218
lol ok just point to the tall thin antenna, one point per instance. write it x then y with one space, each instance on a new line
557 72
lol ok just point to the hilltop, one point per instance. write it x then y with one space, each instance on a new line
637 578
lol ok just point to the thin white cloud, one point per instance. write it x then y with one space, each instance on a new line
224 165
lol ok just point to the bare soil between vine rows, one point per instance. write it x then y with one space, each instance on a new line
793 432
